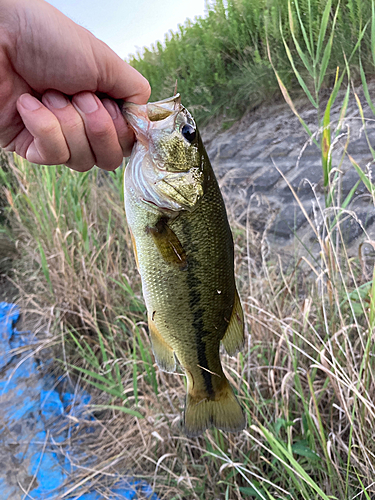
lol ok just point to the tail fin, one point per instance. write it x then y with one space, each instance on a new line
224 412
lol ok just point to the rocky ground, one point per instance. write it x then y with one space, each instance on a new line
253 156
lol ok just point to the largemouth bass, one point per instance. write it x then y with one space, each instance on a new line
184 252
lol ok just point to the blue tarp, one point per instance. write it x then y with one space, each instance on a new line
34 410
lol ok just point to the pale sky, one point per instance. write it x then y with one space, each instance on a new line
126 25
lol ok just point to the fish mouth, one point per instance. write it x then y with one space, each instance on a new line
153 175
150 112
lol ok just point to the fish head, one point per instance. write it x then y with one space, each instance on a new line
166 168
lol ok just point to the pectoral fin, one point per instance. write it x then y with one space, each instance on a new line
164 355
168 243
234 337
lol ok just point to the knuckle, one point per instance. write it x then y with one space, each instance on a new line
64 159
53 159
10 147
110 163
20 144
101 130
49 128
81 160
53 152
79 166
74 126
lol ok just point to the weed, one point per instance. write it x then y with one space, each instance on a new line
221 64
306 377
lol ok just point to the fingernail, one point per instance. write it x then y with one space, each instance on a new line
85 102
56 100
29 102
111 107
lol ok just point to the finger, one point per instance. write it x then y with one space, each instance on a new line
48 146
117 78
125 134
100 130
20 144
73 129
137 88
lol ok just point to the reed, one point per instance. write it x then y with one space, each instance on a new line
221 64
306 377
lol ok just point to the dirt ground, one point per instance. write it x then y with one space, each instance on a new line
8 292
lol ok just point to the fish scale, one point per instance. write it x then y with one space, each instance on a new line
184 252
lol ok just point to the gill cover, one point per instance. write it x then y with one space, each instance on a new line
165 169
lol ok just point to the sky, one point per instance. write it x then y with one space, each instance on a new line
127 25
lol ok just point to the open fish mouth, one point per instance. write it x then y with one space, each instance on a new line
150 112
166 166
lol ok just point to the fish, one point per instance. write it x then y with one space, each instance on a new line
184 252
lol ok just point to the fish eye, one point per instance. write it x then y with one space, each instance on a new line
189 132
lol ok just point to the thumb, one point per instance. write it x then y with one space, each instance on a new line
117 78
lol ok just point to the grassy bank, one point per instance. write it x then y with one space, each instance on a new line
221 62
306 377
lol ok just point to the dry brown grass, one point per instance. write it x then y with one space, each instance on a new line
305 377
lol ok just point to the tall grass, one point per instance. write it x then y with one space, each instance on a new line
220 61
306 377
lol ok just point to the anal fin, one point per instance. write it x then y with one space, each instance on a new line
163 353
234 337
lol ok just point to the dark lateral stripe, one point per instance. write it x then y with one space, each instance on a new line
198 324
201 349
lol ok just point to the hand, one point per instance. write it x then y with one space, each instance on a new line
50 72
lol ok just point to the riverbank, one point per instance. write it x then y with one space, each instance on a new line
305 375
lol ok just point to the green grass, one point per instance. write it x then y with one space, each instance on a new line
306 377
221 63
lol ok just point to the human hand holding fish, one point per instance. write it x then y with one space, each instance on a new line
184 252
51 72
